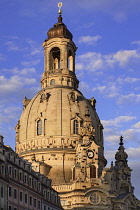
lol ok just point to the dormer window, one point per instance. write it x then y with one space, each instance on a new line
76 122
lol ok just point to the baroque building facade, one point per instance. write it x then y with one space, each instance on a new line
62 126
23 188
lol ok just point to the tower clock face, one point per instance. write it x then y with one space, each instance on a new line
90 154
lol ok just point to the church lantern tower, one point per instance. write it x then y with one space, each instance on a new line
62 127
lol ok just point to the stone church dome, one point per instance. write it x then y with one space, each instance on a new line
52 122
59 117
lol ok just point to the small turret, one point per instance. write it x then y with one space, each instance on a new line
121 156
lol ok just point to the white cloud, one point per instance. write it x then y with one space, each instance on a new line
136 42
12 46
14 83
128 80
110 88
117 121
132 97
137 125
30 63
84 86
79 66
123 57
89 40
134 153
93 61
26 71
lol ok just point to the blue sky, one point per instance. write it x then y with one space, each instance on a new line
107 35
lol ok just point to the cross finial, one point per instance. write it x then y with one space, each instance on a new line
59 6
121 141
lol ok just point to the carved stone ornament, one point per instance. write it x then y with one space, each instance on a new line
44 97
87 130
93 102
25 102
72 96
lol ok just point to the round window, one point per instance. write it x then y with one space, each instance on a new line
95 198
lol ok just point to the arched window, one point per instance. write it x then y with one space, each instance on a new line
75 127
39 127
92 171
70 61
55 58
52 82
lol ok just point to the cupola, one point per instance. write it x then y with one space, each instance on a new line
59 30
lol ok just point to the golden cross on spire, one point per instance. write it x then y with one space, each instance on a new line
59 6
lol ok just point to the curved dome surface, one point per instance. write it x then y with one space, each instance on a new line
51 124
58 110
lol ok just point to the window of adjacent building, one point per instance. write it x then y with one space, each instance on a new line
15 208
2 192
75 127
25 179
20 176
48 195
10 208
30 200
21 196
10 191
10 170
26 198
92 171
52 82
55 198
15 194
15 173
39 127
35 202
35 184
44 207
2 169
39 186
44 193
30 181
39 204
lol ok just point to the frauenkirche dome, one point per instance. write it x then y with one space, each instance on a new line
61 128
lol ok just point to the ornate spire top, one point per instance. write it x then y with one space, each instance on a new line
121 141
60 11
121 156
59 29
